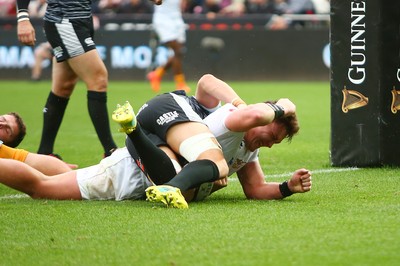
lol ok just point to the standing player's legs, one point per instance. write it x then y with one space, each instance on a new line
73 46
91 69
26 179
63 84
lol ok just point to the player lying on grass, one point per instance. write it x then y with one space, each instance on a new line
116 177
78 185
240 131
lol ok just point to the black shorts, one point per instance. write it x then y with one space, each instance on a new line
163 111
70 37
160 113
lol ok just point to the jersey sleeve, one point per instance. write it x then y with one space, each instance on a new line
22 5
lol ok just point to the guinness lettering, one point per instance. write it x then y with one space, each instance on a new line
356 72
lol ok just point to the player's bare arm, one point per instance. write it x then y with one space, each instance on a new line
254 186
25 30
211 91
259 114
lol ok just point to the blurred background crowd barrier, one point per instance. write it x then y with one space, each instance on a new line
246 47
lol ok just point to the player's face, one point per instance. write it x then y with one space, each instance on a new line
8 128
265 136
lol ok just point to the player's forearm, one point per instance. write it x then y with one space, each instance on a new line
254 115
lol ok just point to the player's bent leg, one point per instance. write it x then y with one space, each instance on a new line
194 141
204 146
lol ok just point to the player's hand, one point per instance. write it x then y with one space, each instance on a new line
26 33
219 184
300 181
288 106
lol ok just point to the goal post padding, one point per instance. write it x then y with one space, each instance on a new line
365 83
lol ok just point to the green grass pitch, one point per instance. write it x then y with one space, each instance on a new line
351 216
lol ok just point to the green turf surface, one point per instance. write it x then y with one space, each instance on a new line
351 216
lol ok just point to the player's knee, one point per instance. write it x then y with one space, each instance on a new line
99 82
68 85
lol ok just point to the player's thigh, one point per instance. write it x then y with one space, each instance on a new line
62 187
91 69
182 131
63 79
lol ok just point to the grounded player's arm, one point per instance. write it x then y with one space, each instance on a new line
259 114
25 30
211 91
43 163
254 186
252 179
48 165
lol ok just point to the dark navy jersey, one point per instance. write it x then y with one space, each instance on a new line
67 9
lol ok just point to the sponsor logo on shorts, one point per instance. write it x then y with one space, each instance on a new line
58 52
89 41
167 117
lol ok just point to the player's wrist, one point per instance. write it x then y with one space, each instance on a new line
22 15
278 110
285 190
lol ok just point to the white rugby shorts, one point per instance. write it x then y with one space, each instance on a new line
116 177
170 29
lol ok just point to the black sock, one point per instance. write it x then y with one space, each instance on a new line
97 106
53 114
157 164
194 174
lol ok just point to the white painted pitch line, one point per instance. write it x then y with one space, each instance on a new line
319 171
15 196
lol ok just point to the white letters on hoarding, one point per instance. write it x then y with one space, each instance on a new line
120 56
356 72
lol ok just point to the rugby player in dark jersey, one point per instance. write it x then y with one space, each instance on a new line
68 25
